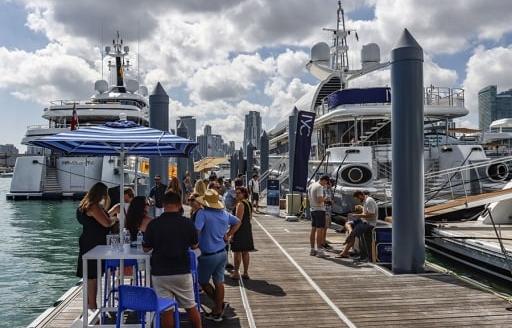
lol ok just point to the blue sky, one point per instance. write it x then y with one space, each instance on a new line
219 60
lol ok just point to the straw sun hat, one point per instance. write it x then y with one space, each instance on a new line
211 199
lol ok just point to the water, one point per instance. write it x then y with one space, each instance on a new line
39 247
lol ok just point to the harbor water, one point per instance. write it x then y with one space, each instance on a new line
37 256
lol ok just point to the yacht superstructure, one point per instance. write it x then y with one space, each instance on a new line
352 132
47 174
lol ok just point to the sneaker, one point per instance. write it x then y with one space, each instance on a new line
327 245
213 317
321 254
312 252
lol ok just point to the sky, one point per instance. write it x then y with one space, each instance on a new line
218 59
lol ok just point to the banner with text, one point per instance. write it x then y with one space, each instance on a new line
304 131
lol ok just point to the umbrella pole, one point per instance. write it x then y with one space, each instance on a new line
121 196
136 188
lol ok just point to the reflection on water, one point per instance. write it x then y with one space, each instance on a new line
37 257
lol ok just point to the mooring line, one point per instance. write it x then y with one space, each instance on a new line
320 292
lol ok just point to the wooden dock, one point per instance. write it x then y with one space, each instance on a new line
290 288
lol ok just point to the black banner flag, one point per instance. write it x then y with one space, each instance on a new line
305 121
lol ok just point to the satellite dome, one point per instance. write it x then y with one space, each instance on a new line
143 90
320 52
132 86
101 86
370 55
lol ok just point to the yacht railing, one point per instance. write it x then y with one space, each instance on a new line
432 96
124 102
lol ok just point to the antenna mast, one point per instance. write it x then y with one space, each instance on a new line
101 49
138 52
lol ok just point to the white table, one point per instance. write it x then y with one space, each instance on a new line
104 252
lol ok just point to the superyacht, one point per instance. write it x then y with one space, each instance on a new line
352 131
46 174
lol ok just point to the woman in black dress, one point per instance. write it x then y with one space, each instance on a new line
242 242
96 225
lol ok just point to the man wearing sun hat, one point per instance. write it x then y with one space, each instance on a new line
215 227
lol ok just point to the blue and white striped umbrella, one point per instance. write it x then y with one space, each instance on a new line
115 137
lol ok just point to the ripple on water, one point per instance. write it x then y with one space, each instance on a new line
37 258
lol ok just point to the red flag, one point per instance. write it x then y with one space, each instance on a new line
74 119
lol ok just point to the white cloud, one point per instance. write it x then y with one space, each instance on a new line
45 75
486 67
231 80
217 50
433 74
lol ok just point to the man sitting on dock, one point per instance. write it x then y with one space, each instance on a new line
170 236
361 223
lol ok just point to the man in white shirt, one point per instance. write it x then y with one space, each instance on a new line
317 204
254 189
362 222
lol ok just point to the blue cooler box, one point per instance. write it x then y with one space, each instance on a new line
382 246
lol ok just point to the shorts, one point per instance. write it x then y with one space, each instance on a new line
255 197
179 287
361 227
212 266
318 219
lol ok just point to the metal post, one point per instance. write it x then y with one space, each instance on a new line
136 187
264 157
241 165
182 163
121 195
159 119
250 162
407 139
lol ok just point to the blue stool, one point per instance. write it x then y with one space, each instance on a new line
110 272
142 300
195 278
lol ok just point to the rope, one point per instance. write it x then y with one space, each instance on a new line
500 241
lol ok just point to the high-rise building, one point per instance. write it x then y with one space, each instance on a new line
202 146
8 155
207 130
190 123
252 130
493 106
231 147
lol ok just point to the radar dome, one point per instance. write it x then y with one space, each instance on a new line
320 52
143 90
132 86
101 86
370 55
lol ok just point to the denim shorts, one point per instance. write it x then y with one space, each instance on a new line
212 266
318 219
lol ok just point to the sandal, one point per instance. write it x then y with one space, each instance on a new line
245 277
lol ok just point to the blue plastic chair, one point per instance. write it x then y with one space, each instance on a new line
195 278
143 300
110 269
